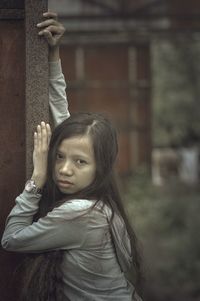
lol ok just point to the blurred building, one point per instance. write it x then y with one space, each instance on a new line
106 60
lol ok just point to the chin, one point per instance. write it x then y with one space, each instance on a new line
66 191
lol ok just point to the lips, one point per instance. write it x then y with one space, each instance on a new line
64 183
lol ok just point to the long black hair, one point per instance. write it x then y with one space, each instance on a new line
43 280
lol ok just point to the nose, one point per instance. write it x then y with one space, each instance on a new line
66 169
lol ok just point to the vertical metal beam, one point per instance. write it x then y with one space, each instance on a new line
36 75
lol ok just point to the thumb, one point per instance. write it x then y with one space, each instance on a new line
48 36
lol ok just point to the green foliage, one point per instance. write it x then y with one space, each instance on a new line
176 91
167 223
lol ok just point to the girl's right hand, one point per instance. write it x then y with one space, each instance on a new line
40 153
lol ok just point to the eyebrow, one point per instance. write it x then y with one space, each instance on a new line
81 155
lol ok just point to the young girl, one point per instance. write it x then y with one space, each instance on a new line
71 216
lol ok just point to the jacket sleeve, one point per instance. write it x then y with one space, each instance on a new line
57 230
57 93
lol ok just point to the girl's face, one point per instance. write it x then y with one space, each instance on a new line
75 165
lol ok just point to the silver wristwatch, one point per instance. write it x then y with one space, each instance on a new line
31 187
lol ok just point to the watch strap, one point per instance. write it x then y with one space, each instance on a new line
30 186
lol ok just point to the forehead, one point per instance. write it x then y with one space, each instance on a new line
77 144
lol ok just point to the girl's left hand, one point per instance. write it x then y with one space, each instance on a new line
51 29
40 153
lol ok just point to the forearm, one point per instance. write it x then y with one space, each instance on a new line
57 93
56 230
20 216
52 31
54 54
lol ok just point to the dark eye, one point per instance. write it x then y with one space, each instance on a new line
59 156
81 161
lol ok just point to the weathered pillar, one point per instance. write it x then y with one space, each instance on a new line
36 75
23 104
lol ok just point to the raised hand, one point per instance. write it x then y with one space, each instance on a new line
51 29
40 153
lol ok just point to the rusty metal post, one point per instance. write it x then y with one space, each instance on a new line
36 75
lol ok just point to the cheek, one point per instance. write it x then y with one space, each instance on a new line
87 176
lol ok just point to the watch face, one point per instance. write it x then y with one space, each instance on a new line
30 185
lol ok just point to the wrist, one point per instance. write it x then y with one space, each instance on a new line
39 180
31 187
54 53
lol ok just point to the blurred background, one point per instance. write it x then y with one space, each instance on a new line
138 62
